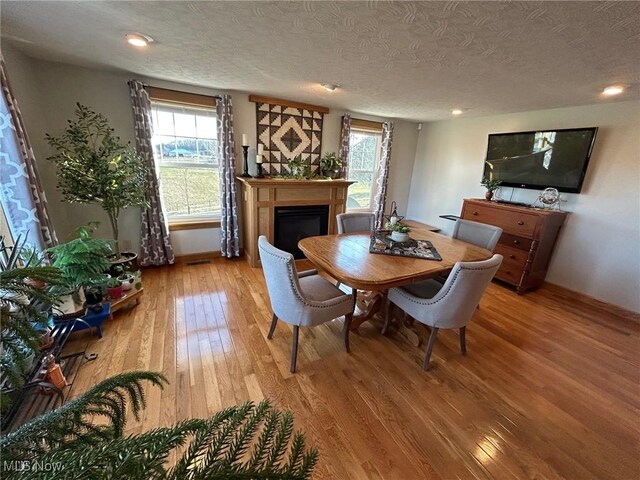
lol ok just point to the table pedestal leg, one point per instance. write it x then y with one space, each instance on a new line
404 327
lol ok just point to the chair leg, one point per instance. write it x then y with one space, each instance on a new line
294 350
432 340
387 317
272 329
345 332
354 294
463 344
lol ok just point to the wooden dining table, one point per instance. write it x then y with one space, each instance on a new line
346 258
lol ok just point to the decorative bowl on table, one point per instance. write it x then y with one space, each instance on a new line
400 236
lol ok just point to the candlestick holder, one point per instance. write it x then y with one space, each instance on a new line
245 152
260 171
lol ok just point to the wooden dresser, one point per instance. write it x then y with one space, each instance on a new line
528 238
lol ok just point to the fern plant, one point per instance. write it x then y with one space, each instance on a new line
243 442
83 259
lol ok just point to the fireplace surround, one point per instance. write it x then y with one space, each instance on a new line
262 196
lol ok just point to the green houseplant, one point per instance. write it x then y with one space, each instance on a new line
242 442
114 287
300 169
399 231
83 261
330 165
94 166
26 293
491 184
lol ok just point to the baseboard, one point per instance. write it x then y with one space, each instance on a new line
197 257
202 256
610 307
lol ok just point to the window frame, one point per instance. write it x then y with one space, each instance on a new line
176 99
367 126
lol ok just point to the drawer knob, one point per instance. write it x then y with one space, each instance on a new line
520 222
516 242
512 256
475 213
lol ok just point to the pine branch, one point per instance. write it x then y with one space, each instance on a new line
68 438
133 457
200 444
62 426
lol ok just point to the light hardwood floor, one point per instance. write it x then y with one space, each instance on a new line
549 388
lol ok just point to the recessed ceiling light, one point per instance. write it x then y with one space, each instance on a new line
330 86
138 40
613 90
456 111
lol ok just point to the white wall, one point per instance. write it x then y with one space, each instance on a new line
48 92
598 252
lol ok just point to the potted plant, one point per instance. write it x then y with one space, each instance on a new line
83 261
491 185
127 279
296 167
330 165
114 288
399 231
95 166
300 169
137 280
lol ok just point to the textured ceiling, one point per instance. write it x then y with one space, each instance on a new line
413 60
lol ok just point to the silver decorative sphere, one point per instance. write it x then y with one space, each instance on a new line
550 196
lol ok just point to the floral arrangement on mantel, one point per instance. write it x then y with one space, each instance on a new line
301 169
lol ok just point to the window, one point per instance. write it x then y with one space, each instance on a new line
364 153
185 144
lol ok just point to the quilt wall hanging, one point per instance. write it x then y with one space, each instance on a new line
287 130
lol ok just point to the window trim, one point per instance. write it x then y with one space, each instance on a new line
169 98
372 193
366 125
181 98
196 224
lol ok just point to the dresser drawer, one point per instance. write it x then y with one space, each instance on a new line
517 223
509 274
516 259
514 241
513 264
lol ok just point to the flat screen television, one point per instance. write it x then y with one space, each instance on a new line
541 159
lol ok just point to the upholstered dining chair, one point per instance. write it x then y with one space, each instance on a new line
302 299
479 234
355 222
445 306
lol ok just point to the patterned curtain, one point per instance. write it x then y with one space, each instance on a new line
156 247
23 199
230 241
382 174
343 153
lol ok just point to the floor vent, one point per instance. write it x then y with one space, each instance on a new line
198 262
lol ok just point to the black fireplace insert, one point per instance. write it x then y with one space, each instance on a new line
292 224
